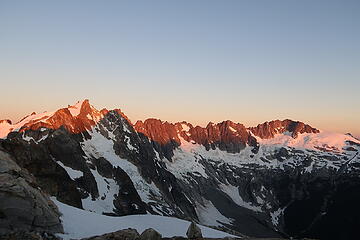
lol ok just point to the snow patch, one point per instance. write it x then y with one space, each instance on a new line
314 141
73 174
275 216
232 129
185 160
130 147
75 110
233 193
28 138
185 127
79 223
108 188
6 128
209 215
125 127
99 146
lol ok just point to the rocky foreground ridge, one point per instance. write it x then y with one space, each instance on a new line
278 179
22 204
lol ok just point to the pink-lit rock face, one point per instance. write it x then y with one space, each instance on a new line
77 118
270 129
225 135
158 131
220 135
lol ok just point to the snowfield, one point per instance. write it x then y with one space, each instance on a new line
79 223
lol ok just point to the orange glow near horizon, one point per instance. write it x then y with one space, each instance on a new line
201 118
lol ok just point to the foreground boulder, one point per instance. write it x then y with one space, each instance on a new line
126 234
193 231
23 207
150 234
16 235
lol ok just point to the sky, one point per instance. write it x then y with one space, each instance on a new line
246 61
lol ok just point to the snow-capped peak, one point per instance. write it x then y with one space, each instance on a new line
75 109
68 117
323 141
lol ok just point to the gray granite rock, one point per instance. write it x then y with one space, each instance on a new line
193 231
22 205
150 234
125 234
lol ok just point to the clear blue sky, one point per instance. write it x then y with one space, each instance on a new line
248 61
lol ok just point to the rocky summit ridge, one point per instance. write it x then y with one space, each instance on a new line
278 179
82 117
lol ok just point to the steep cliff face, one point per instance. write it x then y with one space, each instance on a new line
227 136
282 178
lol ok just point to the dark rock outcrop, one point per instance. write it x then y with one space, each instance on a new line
39 161
150 234
22 205
29 235
126 234
127 201
194 232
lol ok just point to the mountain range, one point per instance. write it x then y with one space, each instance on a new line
281 178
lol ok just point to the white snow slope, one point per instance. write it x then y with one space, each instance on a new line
79 223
